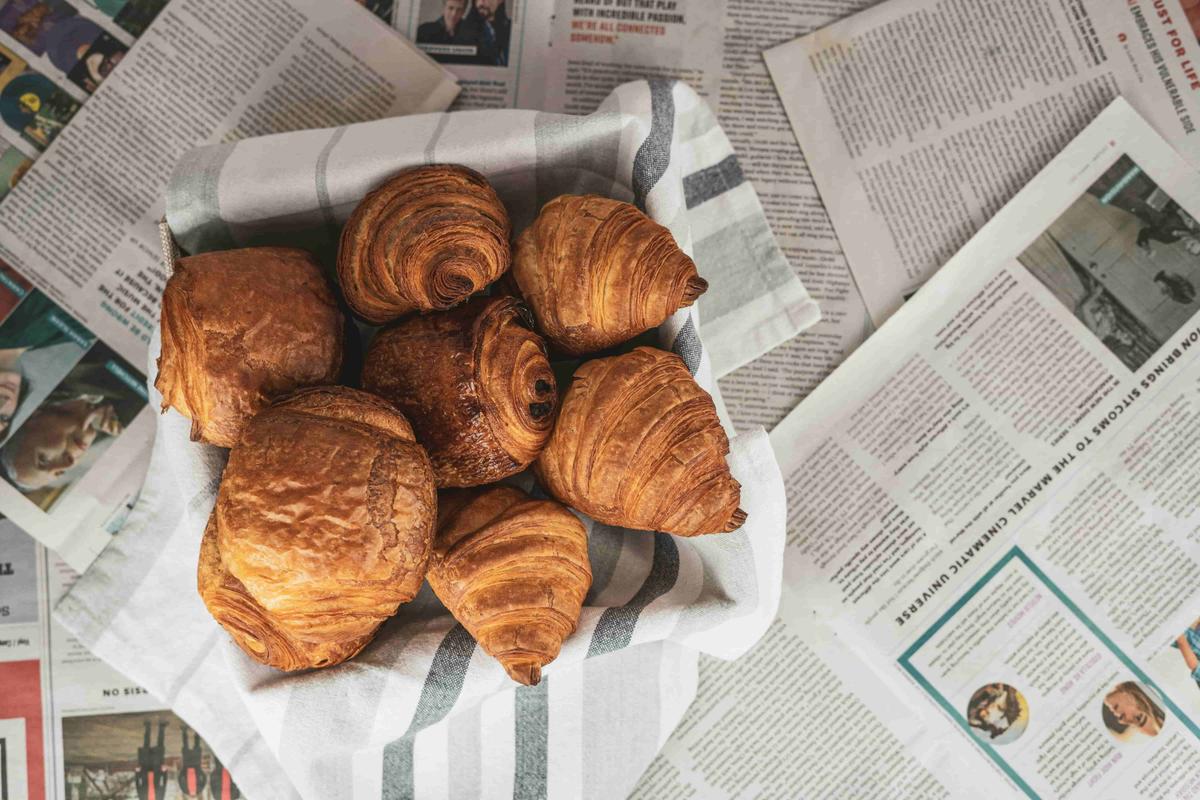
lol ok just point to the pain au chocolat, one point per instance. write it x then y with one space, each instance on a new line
638 444
241 328
323 526
425 240
514 571
476 384
597 272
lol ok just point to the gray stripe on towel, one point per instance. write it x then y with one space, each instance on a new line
442 686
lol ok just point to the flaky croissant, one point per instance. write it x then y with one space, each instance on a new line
426 239
598 272
638 444
240 328
322 528
476 384
514 571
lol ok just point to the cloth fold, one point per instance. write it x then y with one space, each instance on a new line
422 712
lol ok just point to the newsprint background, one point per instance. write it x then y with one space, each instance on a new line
70 727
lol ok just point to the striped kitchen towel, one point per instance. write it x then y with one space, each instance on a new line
422 712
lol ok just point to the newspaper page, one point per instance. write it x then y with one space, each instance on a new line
749 109
53 55
70 726
81 280
565 56
802 716
993 501
922 117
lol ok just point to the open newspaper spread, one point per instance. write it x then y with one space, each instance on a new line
922 117
992 505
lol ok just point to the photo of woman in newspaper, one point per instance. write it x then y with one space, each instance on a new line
997 713
39 345
69 432
1129 709
1125 259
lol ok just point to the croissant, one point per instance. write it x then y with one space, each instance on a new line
514 571
638 444
598 272
240 328
323 525
476 384
426 239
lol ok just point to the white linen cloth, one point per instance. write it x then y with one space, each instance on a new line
422 711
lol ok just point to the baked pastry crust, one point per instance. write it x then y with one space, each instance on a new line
424 240
322 528
514 571
597 272
638 444
476 384
240 328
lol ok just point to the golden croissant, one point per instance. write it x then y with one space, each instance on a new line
638 444
514 571
597 272
240 328
425 240
323 525
476 384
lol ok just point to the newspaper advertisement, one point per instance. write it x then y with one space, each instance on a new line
81 278
992 502
923 117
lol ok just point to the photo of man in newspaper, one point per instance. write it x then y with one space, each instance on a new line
1130 709
466 31
69 432
1125 259
997 713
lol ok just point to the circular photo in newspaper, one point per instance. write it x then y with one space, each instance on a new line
1132 711
997 713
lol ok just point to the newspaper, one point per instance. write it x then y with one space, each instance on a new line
721 42
564 55
70 726
81 280
992 507
922 117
